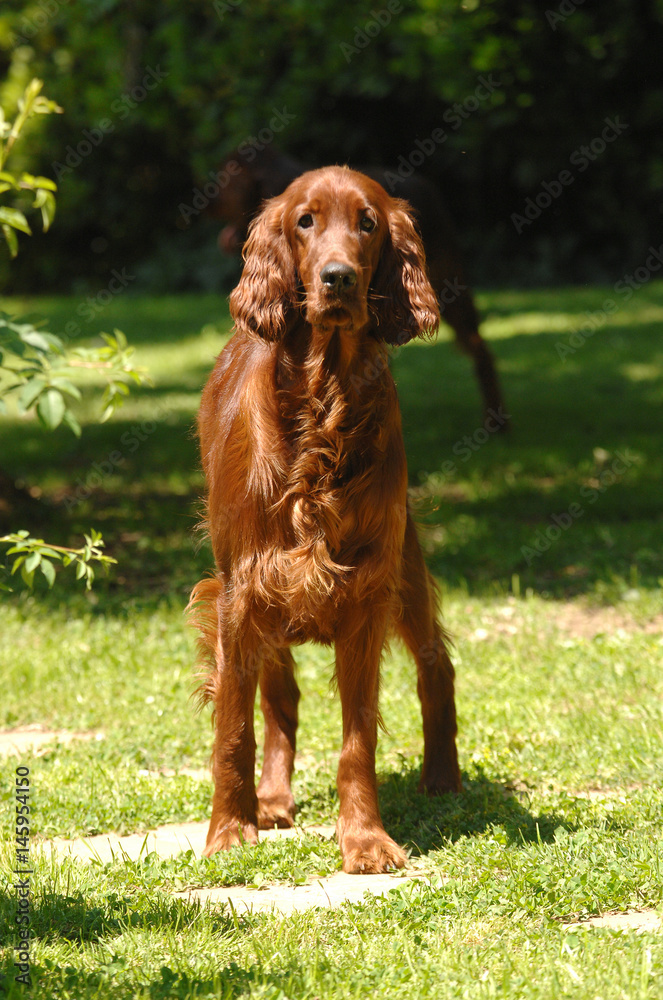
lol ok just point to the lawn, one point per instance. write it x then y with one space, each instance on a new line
548 544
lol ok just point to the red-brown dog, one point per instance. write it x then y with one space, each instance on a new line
300 433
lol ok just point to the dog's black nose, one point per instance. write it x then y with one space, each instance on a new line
338 277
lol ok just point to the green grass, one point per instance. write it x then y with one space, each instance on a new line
560 687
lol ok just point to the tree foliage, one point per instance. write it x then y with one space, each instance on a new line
32 554
39 368
166 89
13 220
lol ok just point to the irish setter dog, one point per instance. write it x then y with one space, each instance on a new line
300 435
252 175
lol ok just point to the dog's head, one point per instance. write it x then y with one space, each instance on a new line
337 251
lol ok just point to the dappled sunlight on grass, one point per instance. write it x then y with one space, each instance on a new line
481 496
548 545
643 372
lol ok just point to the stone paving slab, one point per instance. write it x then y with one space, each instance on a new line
323 893
166 841
35 740
629 920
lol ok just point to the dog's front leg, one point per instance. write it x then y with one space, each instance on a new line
235 804
365 846
279 696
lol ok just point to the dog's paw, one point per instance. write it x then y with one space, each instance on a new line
276 810
232 834
369 852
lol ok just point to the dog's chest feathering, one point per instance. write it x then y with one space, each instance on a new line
331 488
335 441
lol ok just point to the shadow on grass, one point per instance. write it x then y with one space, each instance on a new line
424 823
55 916
58 918
146 320
115 977
487 501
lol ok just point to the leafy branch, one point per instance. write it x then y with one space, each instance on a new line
38 366
34 554
11 218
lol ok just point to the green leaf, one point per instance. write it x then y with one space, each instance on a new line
72 423
29 393
32 562
40 341
64 385
12 217
51 408
45 182
46 202
12 241
39 182
43 106
117 339
48 570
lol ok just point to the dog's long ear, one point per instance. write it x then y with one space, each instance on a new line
404 301
265 300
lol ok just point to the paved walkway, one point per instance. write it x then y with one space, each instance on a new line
168 841
325 892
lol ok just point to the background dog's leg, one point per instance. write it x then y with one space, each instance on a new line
457 308
425 639
234 806
279 697
364 844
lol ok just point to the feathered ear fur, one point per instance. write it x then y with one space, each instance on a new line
265 299
405 304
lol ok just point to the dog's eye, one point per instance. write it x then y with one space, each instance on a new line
366 224
306 221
